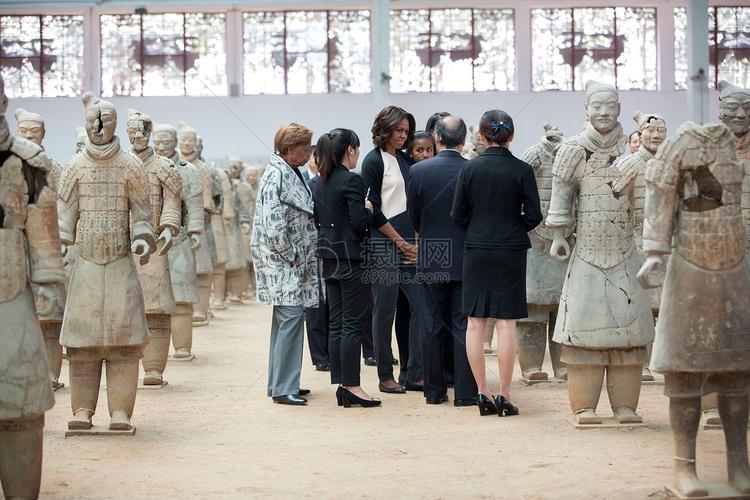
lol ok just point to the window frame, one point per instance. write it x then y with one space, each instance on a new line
41 17
329 46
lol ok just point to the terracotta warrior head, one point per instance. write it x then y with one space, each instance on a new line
139 129
552 133
734 107
101 119
602 106
165 140
30 126
653 130
80 139
251 175
188 139
234 167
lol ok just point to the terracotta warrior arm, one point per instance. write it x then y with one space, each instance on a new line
140 208
171 213
195 220
43 234
67 205
661 206
566 170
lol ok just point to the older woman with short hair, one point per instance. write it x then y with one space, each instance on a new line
284 244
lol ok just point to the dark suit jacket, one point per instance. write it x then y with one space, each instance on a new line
497 201
343 221
372 174
313 182
432 184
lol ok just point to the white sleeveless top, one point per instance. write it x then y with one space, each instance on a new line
393 191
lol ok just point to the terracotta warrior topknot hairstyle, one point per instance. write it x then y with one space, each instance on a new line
291 135
496 126
387 121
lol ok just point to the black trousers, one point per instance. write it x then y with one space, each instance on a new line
316 320
349 299
444 324
401 326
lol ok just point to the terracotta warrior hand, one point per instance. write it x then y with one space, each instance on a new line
560 249
196 239
245 227
651 268
142 249
166 240
48 297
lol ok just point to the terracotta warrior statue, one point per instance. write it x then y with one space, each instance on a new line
182 268
632 182
103 189
247 194
544 275
604 321
30 250
223 208
31 127
205 256
80 139
165 187
693 211
235 225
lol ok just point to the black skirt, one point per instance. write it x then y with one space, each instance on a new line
494 283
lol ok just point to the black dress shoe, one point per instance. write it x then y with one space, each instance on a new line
413 386
303 392
465 402
371 361
392 390
290 399
323 367
348 398
505 407
487 406
432 400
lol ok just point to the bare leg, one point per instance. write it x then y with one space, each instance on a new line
684 416
584 387
21 456
122 385
734 413
624 389
475 353
506 353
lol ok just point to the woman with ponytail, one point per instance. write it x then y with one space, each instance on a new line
497 201
344 218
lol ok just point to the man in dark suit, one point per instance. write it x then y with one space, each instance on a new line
430 197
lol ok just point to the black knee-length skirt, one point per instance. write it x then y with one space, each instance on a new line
494 283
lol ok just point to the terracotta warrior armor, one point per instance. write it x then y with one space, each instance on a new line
29 255
182 254
31 127
103 189
237 277
604 321
205 257
632 183
544 275
247 193
693 211
165 187
222 189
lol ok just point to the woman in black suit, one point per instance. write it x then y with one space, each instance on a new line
385 171
343 218
497 201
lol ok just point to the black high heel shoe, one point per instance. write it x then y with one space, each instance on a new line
504 406
348 399
486 406
338 396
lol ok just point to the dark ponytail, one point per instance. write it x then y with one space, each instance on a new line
331 149
496 126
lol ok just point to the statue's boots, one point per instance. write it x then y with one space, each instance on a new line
555 350
684 416
236 285
200 311
624 390
647 376
733 409
182 330
122 385
51 333
220 287
84 375
21 456
584 388
156 352
531 339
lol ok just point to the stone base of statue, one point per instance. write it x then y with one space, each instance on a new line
604 423
179 357
21 456
95 430
156 352
152 386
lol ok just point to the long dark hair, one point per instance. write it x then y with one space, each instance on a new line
332 147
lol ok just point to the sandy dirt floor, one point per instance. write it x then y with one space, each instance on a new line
213 433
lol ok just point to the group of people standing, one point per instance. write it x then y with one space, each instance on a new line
422 237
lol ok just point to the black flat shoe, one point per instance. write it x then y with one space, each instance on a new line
413 386
348 399
371 361
290 399
504 407
465 402
392 390
303 392
323 367
431 400
486 406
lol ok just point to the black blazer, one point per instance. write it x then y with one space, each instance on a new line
432 184
372 173
342 219
497 201
313 182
